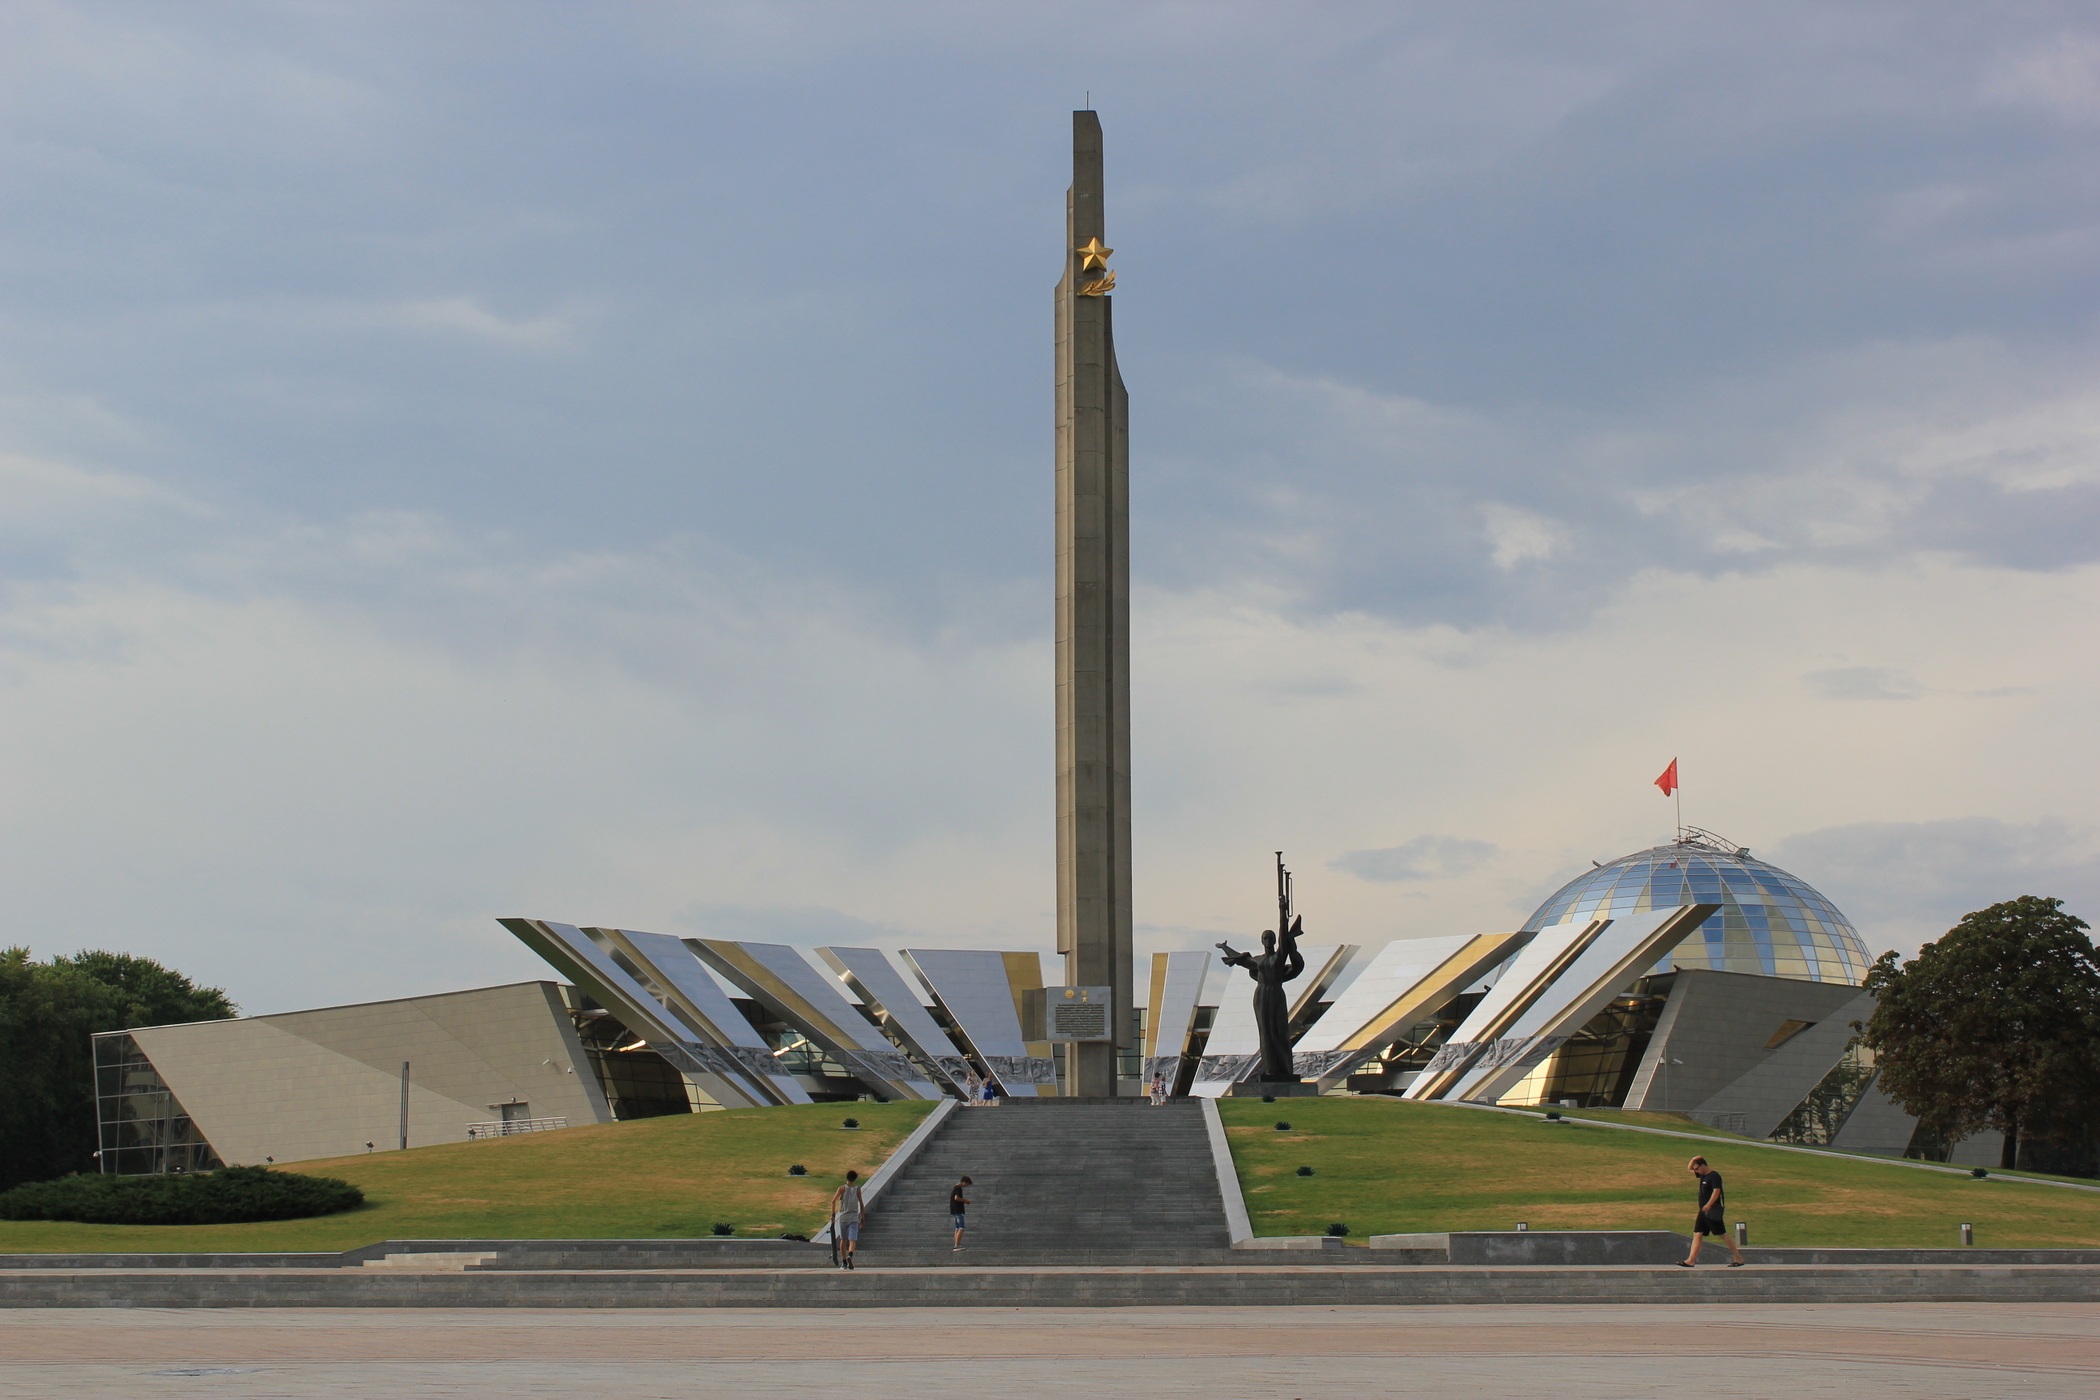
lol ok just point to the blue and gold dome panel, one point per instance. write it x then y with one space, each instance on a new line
1771 924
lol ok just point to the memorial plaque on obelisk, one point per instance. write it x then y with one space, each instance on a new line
1093 624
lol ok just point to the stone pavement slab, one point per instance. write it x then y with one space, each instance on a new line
1948 1351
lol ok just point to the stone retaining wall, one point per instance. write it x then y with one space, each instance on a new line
1310 1284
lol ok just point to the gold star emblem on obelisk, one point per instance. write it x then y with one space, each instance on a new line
1092 255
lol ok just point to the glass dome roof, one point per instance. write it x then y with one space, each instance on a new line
1771 923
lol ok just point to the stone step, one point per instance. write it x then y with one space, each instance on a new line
432 1261
1056 1176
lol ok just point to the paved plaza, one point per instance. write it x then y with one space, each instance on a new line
1949 1351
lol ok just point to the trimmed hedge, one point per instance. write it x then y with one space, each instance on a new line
228 1196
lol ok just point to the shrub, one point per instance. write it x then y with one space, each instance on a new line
1978 1172
1282 1127
798 1170
1338 1229
722 1229
1268 1098
228 1196
1305 1171
850 1123
803 1238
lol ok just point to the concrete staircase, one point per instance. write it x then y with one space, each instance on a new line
1058 1181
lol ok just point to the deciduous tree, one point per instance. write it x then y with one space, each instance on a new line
48 1011
1995 1025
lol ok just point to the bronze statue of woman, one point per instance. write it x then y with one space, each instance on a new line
1273 966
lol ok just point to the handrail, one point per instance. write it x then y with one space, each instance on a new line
479 1131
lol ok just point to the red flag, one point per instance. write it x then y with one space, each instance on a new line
1668 781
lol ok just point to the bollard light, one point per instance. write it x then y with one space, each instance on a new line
1523 1225
1968 1233
1742 1233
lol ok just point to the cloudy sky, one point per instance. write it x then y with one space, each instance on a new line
593 462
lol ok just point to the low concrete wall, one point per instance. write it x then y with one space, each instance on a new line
1536 1248
1502 1247
1308 1284
1568 1247
170 1261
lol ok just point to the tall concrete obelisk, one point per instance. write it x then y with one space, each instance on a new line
1093 623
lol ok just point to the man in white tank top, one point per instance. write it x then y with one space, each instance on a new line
847 1212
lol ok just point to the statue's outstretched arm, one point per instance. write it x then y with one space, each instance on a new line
1234 958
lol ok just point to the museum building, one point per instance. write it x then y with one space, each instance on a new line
1689 978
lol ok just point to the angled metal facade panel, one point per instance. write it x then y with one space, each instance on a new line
872 978
1177 989
1766 1094
570 952
1403 982
681 982
1608 964
1878 1125
1718 1026
977 989
1325 965
1516 987
777 977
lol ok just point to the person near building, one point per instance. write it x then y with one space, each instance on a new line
1712 1203
848 1210
1159 1089
958 1208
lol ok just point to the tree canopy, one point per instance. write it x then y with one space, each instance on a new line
1995 1025
47 1013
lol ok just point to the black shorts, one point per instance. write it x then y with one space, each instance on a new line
1709 1225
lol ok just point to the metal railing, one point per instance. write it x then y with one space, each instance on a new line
515 1125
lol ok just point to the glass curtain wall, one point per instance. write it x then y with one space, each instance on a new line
143 1128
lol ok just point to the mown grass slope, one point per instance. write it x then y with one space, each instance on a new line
658 1178
1384 1167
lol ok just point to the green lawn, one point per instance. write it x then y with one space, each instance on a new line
658 1178
1383 1166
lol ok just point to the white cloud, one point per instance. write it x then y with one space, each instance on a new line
463 315
1862 683
1906 883
1520 537
1423 858
2060 75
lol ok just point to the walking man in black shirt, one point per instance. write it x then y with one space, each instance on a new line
958 1205
1711 1204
